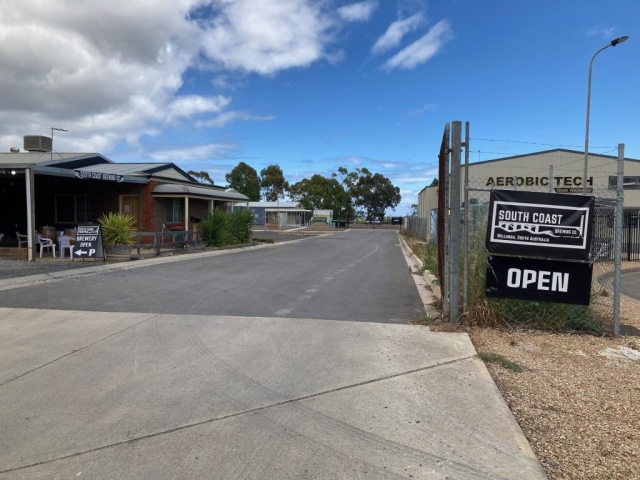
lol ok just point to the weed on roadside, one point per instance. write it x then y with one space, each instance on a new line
263 240
500 360
426 320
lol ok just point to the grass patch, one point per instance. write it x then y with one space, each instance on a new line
425 251
500 360
263 240
426 320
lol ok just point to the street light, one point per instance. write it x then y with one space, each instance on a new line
586 135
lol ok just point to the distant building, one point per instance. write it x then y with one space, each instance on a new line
267 212
533 172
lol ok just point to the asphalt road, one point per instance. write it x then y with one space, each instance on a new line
142 374
630 284
355 276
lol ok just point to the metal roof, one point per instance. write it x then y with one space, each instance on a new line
198 191
125 168
30 158
272 205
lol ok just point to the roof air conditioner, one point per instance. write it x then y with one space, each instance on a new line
37 143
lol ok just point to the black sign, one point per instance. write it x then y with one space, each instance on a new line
539 280
533 224
396 220
88 242
85 175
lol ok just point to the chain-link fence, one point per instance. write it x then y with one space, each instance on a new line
551 171
533 314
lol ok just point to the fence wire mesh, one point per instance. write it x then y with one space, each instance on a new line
557 173
532 314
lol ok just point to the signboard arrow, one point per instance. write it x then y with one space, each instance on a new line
88 242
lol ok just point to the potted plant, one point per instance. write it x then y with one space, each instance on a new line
117 235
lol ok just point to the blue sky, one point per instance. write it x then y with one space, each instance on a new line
314 85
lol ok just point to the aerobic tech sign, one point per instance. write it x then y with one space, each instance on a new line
535 224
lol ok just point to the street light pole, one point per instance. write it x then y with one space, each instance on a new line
586 135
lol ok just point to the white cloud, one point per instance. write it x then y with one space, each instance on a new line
396 32
208 151
423 49
604 32
110 72
188 105
232 116
358 12
266 36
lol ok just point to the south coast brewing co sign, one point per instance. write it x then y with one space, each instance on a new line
541 225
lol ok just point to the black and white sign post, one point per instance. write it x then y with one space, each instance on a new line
88 242
552 228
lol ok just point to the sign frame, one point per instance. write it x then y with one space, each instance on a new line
539 280
88 242
541 225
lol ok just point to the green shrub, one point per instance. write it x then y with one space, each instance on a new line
215 229
117 228
240 222
221 228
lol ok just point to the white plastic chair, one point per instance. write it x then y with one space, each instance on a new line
64 241
46 243
22 239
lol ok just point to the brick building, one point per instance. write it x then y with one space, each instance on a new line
40 189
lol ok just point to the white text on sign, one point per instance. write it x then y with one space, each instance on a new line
554 281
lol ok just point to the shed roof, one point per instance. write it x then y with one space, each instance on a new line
273 205
173 189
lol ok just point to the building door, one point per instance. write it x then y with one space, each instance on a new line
131 204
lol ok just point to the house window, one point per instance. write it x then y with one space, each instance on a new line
74 208
175 209
628 183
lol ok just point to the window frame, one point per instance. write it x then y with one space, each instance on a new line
87 215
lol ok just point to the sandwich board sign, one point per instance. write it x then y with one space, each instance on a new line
542 225
539 280
88 242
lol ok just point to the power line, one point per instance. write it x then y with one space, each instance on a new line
533 143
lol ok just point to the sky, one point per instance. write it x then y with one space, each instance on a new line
312 85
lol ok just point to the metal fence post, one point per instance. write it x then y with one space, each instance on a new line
465 274
454 239
618 246
442 227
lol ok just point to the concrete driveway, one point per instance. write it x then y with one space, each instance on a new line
95 394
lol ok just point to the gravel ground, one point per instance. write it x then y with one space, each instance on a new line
15 268
579 409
